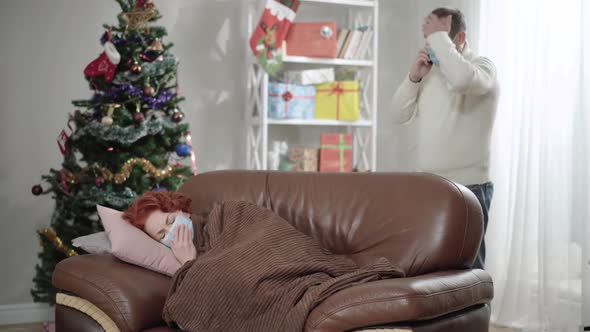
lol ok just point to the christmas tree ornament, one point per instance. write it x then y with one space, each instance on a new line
189 141
144 4
160 58
156 46
108 119
136 68
183 150
159 189
106 63
99 181
267 40
138 19
177 116
149 90
138 117
64 137
37 190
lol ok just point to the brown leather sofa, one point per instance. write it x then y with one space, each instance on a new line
429 226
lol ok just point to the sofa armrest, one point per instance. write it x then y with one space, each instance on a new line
131 296
401 300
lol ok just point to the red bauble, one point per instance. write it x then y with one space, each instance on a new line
177 116
37 190
138 117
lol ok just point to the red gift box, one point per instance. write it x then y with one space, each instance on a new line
336 153
316 40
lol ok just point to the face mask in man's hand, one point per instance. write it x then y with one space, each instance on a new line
431 56
179 220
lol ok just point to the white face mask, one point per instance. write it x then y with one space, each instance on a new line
179 220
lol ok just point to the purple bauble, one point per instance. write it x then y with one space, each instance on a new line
183 150
99 181
37 190
159 189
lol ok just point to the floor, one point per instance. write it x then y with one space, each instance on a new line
23 328
39 328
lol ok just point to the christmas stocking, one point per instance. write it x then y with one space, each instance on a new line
267 40
105 64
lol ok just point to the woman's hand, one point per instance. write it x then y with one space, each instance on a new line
182 246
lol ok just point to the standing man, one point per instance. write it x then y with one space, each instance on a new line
453 94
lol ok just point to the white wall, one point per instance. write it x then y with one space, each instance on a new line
45 46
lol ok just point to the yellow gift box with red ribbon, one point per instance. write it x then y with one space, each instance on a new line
337 101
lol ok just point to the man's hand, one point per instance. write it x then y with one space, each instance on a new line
421 67
433 23
183 248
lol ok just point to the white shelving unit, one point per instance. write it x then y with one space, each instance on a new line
360 13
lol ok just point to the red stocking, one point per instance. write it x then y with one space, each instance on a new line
105 64
267 40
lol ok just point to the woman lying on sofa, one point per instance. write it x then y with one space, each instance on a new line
165 216
244 268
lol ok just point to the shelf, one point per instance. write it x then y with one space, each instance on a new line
356 3
328 61
333 123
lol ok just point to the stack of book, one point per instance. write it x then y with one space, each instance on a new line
354 44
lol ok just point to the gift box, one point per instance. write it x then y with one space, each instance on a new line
315 39
311 76
291 101
336 153
303 159
337 101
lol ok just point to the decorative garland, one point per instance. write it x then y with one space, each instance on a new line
124 173
151 69
50 235
124 135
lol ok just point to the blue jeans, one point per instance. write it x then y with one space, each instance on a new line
484 193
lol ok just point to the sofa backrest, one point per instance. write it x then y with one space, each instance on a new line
421 222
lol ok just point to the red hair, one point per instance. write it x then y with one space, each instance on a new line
137 213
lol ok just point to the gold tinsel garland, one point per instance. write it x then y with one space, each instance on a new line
50 235
124 173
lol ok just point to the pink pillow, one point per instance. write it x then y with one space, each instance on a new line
132 245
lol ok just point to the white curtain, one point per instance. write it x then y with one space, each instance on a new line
538 238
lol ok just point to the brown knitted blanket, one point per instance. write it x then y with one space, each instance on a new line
258 273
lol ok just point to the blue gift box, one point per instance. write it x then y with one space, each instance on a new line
291 101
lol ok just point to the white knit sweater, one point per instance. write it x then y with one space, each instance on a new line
455 106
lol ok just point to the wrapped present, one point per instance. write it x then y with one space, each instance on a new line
337 101
291 101
304 159
310 76
312 39
336 153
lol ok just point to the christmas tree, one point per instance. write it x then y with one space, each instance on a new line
128 138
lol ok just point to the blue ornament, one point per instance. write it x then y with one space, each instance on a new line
183 150
159 189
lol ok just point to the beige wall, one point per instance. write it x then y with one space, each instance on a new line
45 46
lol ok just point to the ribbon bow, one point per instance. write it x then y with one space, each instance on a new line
337 89
287 96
